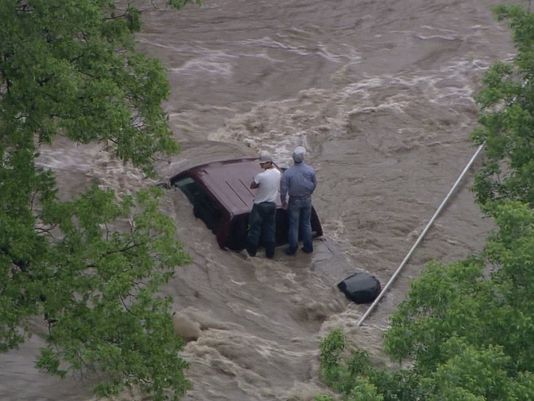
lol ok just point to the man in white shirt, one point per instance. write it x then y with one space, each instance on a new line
262 218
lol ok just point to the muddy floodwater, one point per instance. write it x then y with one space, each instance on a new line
381 93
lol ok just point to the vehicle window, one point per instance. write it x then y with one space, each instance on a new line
204 207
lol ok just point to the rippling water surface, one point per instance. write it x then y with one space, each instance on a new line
381 94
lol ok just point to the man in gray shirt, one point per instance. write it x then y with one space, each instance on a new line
298 182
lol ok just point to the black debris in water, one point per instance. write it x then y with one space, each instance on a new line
360 287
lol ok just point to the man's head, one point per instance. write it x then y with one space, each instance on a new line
266 160
298 154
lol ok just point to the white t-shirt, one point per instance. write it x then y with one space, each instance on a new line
269 185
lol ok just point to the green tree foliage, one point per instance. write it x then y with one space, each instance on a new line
99 287
364 390
92 266
465 330
332 348
507 117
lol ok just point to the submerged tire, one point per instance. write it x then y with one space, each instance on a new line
360 287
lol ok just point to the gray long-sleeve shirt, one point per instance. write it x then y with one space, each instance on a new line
298 181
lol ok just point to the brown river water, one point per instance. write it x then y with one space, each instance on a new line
381 93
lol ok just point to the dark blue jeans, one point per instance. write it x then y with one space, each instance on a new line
262 226
299 214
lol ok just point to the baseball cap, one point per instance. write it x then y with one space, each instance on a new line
265 157
298 154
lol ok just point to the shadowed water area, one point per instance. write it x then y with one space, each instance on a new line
381 95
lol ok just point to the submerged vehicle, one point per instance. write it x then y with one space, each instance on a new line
221 197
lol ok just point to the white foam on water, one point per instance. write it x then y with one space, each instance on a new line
204 65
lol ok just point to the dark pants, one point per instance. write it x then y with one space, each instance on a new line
299 214
262 226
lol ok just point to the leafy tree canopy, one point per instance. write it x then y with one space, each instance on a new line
507 118
92 266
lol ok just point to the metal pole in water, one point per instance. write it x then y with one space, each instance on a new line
436 213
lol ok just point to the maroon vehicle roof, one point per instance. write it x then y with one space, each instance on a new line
228 181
